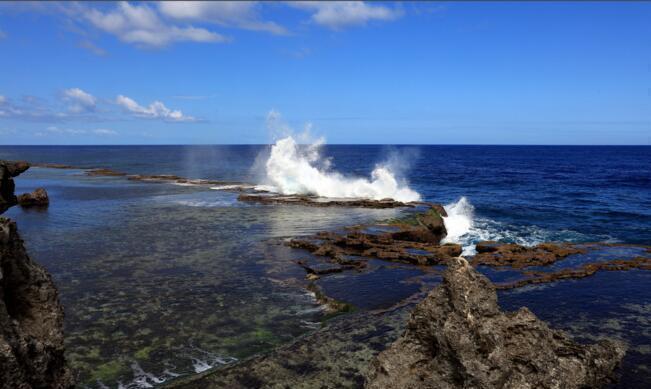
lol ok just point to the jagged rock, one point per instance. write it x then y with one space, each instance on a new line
458 338
9 170
31 317
37 198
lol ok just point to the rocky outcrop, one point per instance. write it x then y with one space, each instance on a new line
320 201
458 338
516 256
388 246
31 317
9 170
38 198
585 270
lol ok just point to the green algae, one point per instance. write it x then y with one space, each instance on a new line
108 371
144 352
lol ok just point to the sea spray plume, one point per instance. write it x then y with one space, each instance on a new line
300 169
292 170
459 220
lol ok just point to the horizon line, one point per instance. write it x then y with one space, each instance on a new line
329 144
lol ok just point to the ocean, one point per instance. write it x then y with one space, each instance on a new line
161 280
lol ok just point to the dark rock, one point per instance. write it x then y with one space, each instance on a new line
586 270
414 245
31 317
37 198
321 268
433 220
31 320
105 172
514 255
416 234
458 338
487 246
319 201
9 170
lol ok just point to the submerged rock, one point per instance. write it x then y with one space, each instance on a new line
38 198
458 338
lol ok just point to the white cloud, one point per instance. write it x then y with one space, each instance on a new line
2 34
104 131
81 101
53 130
155 110
142 25
339 14
93 48
240 14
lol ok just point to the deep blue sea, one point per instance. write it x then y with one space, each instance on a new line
160 279
533 192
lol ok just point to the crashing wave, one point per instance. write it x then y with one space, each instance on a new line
293 169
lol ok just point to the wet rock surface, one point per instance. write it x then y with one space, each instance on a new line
319 201
38 198
31 317
517 256
402 241
458 337
586 270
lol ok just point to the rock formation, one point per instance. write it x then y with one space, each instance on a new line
37 198
458 338
516 256
31 317
9 170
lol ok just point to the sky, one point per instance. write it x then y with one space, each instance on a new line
351 72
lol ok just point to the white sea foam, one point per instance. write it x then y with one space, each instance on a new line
295 169
466 229
459 220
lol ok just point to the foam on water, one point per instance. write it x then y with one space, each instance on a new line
466 229
293 169
459 220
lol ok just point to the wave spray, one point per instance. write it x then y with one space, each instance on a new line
296 169
459 221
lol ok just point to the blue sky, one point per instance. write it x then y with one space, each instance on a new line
396 73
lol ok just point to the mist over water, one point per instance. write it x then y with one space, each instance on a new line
296 169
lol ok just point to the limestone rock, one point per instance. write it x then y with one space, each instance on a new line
37 198
458 338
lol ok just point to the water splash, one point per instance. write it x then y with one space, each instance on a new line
295 169
466 229
459 221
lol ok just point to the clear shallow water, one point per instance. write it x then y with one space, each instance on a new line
160 279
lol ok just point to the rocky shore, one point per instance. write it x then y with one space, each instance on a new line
452 336
455 337
31 316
